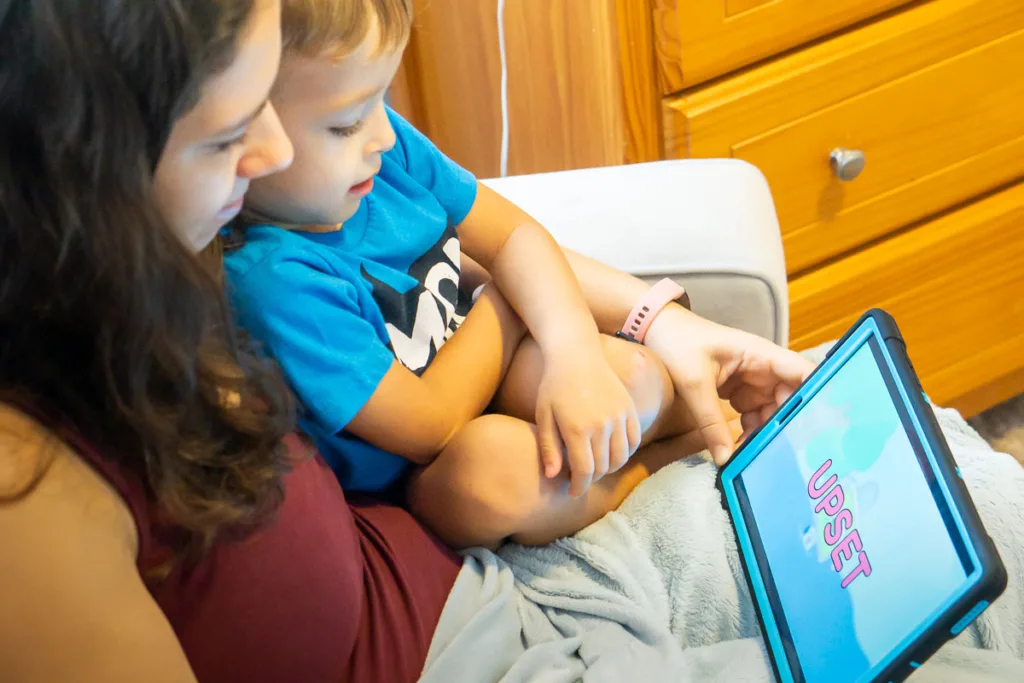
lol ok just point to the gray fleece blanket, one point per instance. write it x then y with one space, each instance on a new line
655 592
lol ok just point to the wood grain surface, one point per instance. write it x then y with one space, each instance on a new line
956 288
700 39
581 83
932 96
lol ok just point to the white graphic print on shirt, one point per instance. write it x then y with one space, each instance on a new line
422 319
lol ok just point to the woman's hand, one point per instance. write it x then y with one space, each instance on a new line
708 361
583 406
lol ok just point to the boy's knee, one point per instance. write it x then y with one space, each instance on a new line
479 490
502 464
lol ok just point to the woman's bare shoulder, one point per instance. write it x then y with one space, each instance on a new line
68 576
38 469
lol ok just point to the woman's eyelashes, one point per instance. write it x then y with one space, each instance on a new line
347 131
228 145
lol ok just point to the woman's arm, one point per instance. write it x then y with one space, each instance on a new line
706 361
610 293
74 605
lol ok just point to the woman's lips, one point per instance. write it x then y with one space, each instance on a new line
231 210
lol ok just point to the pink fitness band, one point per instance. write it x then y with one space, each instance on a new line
649 306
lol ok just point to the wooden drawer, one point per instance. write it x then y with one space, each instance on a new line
956 288
700 39
933 96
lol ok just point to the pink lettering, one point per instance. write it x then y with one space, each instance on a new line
845 549
834 529
813 490
831 498
863 567
832 502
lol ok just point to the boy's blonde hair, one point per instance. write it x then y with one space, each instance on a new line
335 28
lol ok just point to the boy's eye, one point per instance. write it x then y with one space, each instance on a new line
346 131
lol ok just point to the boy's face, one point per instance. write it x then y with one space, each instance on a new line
334 114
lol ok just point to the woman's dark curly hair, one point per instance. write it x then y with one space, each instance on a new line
109 325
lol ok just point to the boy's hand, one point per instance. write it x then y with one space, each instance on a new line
582 404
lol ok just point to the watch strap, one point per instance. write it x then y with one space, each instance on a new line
648 307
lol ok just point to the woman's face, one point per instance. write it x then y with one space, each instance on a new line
230 137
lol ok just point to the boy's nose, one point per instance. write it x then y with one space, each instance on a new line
383 137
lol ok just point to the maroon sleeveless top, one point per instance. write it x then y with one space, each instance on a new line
329 591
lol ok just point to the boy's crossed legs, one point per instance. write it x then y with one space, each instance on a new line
488 484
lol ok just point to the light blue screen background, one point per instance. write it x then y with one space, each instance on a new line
840 634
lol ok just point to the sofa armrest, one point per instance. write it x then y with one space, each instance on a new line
710 224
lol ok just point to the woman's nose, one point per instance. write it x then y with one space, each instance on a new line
268 148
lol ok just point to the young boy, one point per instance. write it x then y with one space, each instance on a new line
350 275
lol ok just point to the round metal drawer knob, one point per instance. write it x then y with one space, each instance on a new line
847 164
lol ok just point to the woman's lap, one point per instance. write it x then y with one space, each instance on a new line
704 581
665 565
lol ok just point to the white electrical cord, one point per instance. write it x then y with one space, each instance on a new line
503 164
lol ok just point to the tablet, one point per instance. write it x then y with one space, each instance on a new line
861 545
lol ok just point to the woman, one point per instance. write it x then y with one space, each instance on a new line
157 523
130 133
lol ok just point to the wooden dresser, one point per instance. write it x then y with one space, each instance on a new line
891 133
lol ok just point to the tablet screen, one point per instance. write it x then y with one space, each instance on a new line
850 529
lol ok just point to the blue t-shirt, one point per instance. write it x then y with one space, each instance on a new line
336 309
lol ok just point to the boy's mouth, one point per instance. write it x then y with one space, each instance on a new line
362 189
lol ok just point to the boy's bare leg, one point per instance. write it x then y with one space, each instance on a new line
662 414
488 486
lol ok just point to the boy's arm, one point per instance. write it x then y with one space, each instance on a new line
582 408
415 417
581 402
610 294
471 274
309 317
532 273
